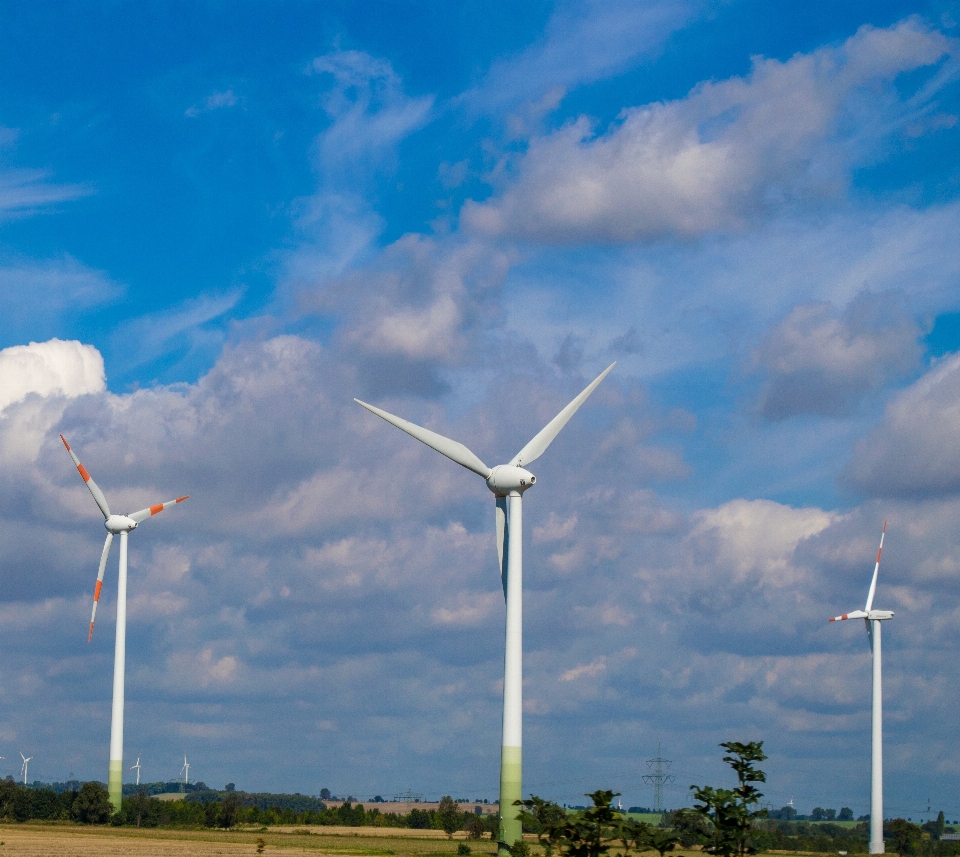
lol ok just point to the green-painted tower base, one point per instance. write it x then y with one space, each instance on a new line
510 790
115 783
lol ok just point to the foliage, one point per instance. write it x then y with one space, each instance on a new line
92 804
690 827
731 812
585 833
936 828
463 849
449 816
905 837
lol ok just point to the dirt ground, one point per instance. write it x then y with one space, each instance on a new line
35 840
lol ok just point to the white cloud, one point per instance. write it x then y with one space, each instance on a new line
818 362
582 42
54 368
369 113
214 101
788 132
913 451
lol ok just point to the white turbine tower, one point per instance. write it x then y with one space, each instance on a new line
137 768
872 618
185 771
507 482
23 767
115 524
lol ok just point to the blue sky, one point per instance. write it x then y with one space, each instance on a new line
221 222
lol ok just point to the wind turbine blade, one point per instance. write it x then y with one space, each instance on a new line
96 592
88 479
536 447
450 448
501 512
143 514
856 614
876 570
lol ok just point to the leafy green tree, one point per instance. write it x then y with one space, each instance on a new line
936 828
92 804
690 827
449 816
732 813
845 814
587 833
228 811
905 837
641 836
474 826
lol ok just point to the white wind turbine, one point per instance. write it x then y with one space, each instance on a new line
872 618
115 524
23 767
507 482
137 767
185 771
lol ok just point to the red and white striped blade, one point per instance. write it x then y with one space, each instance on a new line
88 479
96 592
143 514
856 614
876 571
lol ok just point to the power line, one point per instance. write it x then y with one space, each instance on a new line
658 779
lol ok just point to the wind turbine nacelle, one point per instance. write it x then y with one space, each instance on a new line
880 614
505 479
119 524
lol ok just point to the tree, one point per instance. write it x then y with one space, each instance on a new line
904 836
228 811
325 794
846 814
936 828
731 812
641 836
587 833
92 804
448 814
230 787
690 827
474 826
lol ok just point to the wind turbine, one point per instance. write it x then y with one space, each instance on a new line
23 767
185 770
507 482
115 524
137 766
872 619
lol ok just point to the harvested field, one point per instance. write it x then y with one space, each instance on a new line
61 840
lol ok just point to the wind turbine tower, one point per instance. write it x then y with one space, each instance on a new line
137 767
23 767
872 619
122 525
507 482
185 771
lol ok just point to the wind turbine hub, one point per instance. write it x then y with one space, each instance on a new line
880 614
504 479
117 524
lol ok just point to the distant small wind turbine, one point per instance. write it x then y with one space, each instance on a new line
23 767
872 619
137 766
185 770
122 524
507 482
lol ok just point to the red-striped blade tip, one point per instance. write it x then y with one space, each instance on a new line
90 635
884 526
67 445
181 499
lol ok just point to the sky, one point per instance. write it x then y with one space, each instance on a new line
221 222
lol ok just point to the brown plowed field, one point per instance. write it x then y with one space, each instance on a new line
34 840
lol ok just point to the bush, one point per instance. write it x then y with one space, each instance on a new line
92 804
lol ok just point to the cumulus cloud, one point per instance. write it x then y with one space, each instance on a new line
54 368
787 132
819 362
912 452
